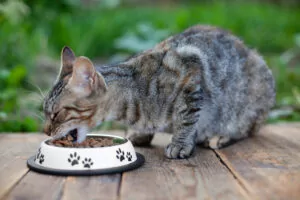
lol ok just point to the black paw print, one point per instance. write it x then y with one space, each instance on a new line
37 156
87 163
129 156
120 155
73 159
41 158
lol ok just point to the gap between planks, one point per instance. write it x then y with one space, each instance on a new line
37 186
106 187
195 177
268 164
14 151
32 185
5 195
234 175
200 177
198 169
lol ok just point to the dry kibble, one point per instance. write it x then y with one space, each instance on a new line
90 142
93 142
70 138
98 145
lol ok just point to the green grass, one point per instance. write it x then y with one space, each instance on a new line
266 27
42 28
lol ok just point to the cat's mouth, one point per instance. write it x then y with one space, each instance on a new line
74 134
77 135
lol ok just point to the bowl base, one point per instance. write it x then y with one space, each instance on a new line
90 172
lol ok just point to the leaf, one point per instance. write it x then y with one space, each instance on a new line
296 94
17 75
3 115
29 124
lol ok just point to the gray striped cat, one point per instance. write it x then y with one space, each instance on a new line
204 85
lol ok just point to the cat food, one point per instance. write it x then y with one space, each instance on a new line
90 142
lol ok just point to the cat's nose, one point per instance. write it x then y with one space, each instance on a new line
46 129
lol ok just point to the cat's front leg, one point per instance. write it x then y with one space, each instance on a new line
138 138
183 143
186 117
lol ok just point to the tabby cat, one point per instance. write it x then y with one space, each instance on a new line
204 85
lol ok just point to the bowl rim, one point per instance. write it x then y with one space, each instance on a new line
44 142
86 172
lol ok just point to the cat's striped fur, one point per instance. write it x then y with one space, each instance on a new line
203 83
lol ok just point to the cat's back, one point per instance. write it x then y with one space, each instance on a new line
209 39
217 57
217 52
227 66
238 84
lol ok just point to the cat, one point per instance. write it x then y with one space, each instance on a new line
204 84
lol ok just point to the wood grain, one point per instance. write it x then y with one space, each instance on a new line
97 187
218 181
15 149
290 132
37 186
104 187
195 178
264 167
268 165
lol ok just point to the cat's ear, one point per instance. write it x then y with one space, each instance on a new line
84 78
67 60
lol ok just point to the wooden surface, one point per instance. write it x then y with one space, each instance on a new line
266 166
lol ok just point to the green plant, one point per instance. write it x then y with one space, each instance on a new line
31 29
144 37
10 114
13 70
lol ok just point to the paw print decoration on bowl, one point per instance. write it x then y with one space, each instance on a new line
57 160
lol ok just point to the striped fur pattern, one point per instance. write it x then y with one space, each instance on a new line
204 85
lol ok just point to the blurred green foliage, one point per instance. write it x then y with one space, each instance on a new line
11 83
33 28
93 30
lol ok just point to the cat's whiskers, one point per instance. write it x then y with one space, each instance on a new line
39 89
38 116
40 98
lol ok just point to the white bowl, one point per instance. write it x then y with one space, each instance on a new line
86 161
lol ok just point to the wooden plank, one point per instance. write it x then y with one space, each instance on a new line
285 131
290 124
96 187
37 186
218 181
200 177
15 149
268 165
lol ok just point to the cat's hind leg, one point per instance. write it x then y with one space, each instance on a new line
217 142
138 138
220 141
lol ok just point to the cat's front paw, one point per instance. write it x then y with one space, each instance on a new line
177 150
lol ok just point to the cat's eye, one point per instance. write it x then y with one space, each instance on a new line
53 116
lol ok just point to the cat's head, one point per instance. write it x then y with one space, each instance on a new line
71 102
